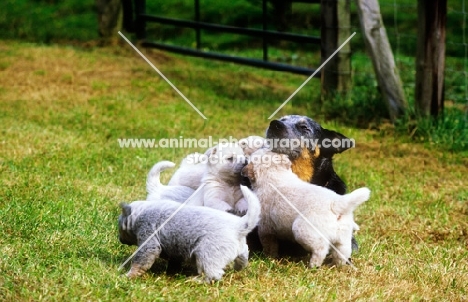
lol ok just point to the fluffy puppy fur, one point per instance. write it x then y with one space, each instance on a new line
212 239
222 180
311 162
191 170
156 190
251 144
330 214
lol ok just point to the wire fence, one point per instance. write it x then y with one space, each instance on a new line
400 18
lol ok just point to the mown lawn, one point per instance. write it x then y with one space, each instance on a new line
63 175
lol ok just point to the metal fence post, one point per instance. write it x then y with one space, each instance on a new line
265 25
140 23
197 19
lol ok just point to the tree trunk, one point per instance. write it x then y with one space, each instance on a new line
430 57
378 48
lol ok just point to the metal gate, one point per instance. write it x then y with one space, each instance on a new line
135 20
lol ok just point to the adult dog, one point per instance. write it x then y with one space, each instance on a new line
310 148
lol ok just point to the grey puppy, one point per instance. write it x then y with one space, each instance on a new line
211 238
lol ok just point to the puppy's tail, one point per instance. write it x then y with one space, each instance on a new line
152 181
250 220
349 202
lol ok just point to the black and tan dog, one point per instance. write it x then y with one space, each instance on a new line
310 148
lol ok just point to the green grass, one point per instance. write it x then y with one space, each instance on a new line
63 175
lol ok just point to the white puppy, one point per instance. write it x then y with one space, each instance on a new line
322 217
222 179
156 190
191 170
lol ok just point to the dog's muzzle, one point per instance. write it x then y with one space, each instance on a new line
276 129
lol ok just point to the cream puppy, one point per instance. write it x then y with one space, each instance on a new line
292 209
252 143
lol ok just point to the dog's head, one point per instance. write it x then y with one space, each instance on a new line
226 161
126 234
264 162
310 148
292 133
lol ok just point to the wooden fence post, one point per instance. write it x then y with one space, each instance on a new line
109 18
378 47
336 28
430 58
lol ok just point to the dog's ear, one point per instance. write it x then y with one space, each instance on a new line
248 172
126 209
333 142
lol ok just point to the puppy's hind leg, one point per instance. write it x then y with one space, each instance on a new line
342 254
312 241
242 259
210 268
268 240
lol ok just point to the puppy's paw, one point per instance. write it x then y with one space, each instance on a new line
242 206
235 212
135 271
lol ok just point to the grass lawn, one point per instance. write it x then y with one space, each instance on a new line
63 175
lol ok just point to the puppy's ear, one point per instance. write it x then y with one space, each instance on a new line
248 172
208 151
126 209
213 151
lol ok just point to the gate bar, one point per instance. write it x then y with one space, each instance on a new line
232 59
235 30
